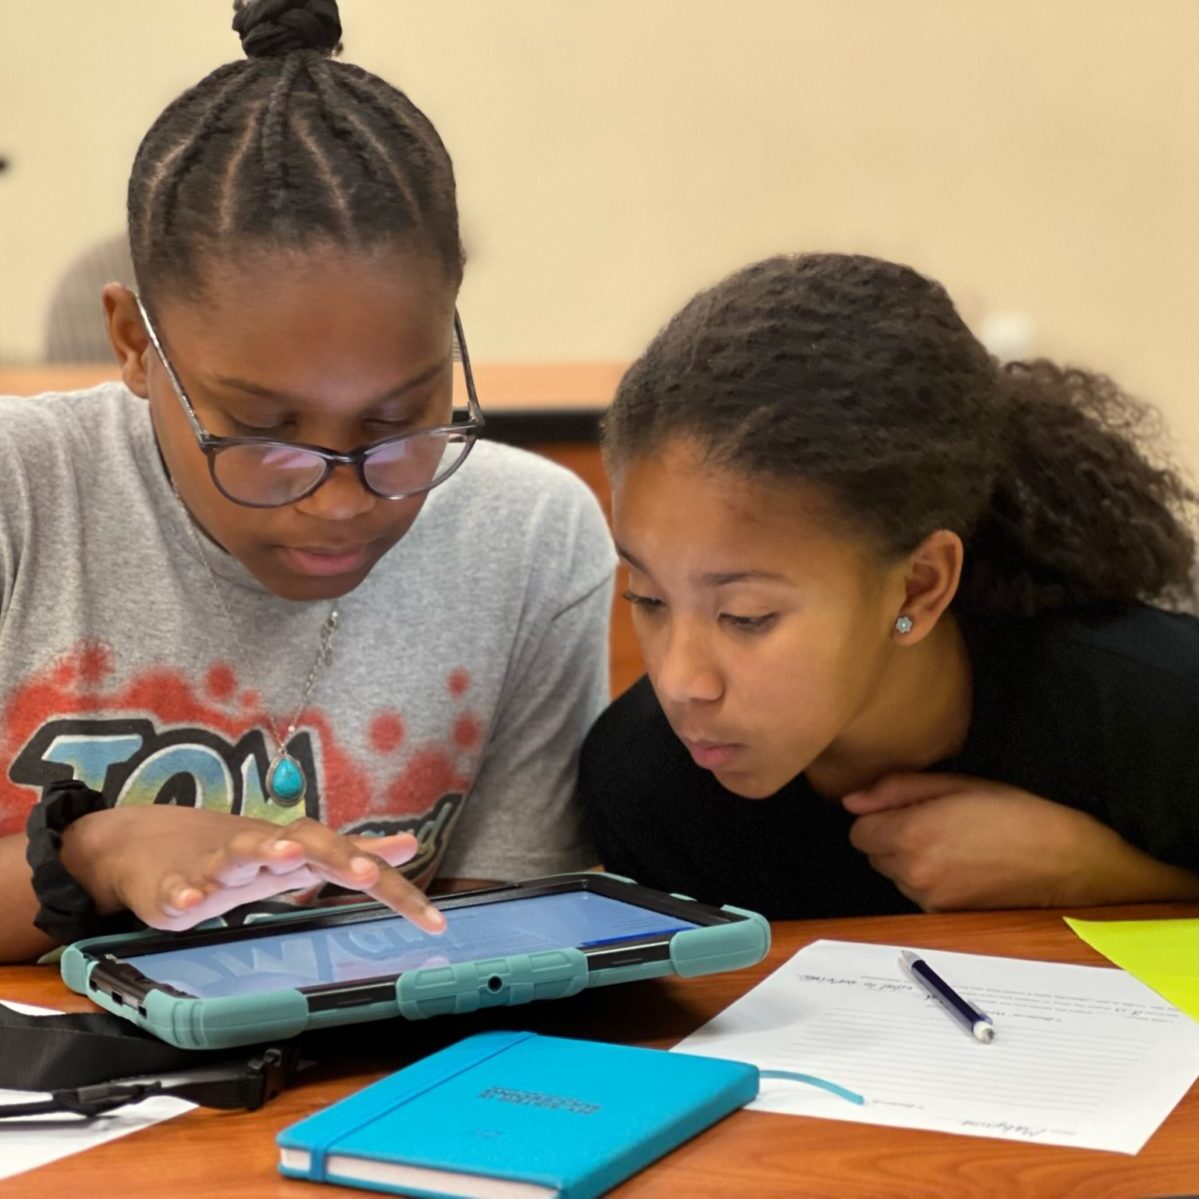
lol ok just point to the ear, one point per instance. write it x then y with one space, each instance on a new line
934 570
127 336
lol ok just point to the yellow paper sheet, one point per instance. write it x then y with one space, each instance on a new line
1163 954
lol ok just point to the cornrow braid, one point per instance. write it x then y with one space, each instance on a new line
356 135
274 136
155 201
285 149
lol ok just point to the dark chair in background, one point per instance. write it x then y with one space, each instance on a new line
75 322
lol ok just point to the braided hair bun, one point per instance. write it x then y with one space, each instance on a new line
273 28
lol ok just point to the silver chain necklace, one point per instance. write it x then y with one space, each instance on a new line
285 780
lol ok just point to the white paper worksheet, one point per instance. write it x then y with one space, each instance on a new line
34 1141
1083 1055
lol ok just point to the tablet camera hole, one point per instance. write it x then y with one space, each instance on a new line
495 983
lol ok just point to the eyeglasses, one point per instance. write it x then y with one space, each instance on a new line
259 472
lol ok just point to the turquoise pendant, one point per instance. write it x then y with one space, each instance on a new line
285 782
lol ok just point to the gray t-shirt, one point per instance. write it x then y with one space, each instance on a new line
465 670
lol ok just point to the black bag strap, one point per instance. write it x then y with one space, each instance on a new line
92 1062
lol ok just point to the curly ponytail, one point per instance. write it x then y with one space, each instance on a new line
1080 513
858 375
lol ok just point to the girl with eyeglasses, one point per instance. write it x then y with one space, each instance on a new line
272 617
895 603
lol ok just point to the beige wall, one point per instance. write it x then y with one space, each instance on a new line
1040 156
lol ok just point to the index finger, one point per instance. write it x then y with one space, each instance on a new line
393 889
338 860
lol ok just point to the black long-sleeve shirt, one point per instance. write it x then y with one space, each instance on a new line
1094 708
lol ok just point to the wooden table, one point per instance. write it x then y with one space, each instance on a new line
749 1155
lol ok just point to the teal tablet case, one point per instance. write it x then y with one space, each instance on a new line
572 1117
220 1023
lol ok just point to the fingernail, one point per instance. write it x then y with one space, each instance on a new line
186 897
284 846
434 916
362 866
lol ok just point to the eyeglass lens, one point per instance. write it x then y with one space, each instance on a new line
272 475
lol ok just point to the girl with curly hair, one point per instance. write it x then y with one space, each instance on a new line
895 605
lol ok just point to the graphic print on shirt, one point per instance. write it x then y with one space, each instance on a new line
161 738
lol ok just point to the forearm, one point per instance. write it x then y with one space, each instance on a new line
1117 872
19 940
84 845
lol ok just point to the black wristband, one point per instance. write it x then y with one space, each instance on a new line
66 912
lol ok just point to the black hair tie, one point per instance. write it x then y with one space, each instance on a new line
272 28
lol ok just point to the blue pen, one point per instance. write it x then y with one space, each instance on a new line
977 1022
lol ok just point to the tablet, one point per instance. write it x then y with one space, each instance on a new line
276 977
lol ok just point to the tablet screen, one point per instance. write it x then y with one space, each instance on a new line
350 952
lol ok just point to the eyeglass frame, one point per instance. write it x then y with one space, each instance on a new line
211 444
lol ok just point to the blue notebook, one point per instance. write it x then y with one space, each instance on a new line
505 1115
